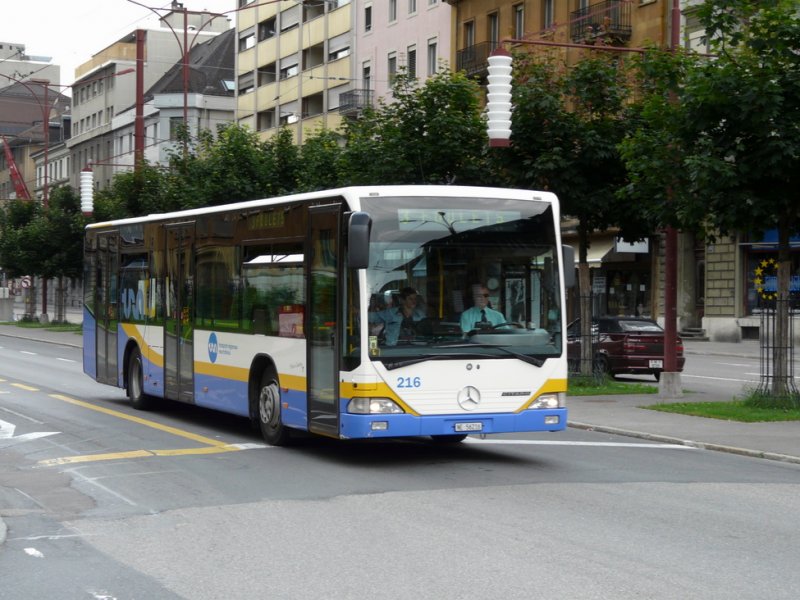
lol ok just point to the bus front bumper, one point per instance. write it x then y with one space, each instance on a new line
356 426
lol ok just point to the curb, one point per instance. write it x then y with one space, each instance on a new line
34 338
665 439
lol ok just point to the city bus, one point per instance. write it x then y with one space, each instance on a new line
264 308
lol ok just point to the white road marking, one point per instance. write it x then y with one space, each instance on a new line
33 552
28 353
20 415
567 443
716 378
7 437
69 360
92 481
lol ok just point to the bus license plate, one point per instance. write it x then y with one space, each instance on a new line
656 364
469 426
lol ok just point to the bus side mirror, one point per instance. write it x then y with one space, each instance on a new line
358 230
569 266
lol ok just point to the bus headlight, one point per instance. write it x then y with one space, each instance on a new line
555 400
373 406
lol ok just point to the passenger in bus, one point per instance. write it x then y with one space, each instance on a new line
399 321
480 315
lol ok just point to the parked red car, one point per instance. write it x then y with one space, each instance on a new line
623 345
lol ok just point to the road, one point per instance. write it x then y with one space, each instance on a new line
186 503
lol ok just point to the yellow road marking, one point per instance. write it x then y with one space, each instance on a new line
166 428
69 460
22 386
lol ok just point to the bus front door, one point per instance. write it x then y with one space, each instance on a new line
322 337
107 303
178 329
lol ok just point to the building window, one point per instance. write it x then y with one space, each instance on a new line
246 83
412 6
247 41
519 21
266 119
469 34
340 53
392 11
266 29
368 18
266 74
289 71
433 58
175 124
392 66
493 33
411 61
366 76
548 13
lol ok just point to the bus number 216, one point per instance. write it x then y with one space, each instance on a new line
409 382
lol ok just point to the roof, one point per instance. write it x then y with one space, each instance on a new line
211 64
21 108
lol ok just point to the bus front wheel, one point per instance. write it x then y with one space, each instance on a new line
138 398
269 412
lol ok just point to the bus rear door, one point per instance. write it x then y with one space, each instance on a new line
178 330
323 339
107 306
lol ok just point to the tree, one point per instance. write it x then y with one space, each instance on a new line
433 133
742 115
567 124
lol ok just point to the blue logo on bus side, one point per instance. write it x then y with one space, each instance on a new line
213 347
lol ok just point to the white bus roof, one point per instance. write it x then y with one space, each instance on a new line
352 195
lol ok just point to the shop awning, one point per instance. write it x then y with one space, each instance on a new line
599 248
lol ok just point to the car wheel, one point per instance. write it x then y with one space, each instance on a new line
139 400
269 412
601 368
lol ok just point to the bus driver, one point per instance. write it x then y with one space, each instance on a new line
479 314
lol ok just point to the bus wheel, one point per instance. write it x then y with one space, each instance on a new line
449 439
269 412
138 398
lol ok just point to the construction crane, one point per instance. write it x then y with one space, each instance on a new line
16 177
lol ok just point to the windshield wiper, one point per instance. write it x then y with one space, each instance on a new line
531 360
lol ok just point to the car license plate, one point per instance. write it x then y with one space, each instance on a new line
656 364
469 426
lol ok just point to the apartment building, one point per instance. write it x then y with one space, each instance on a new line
105 86
294 62
412 35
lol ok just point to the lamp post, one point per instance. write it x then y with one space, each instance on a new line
499 132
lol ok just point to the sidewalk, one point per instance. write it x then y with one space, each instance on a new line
623 415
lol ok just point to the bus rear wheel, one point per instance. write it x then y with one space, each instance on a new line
269 412
139 400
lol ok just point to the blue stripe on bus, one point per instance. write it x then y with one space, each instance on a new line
360 426
227 395
89 344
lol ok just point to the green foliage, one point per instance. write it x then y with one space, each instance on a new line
429 134
567 125
48 242
319 162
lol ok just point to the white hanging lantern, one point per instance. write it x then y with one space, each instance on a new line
498 106
87 191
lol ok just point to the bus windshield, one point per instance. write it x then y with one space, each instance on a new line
462 278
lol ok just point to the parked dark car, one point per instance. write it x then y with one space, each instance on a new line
623 345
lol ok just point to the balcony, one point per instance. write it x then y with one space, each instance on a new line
473 59
607 21
352 103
